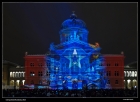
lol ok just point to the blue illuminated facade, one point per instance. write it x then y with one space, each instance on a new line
74 63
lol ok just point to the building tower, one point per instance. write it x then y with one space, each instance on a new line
74 63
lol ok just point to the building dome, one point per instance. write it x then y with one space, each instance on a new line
73 22
132 65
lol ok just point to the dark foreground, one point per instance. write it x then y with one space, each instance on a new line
70 93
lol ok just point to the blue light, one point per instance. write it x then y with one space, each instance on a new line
71 65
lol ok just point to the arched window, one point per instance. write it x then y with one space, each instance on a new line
16 74
21 74
135 74
13 74
132 73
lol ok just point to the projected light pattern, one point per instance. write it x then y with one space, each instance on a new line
74 63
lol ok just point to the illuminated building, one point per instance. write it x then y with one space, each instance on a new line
75 63
70 62
114 64
13 75
130 75
35 68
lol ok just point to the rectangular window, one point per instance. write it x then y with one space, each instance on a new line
47 73
116 81
40 73
109 73
32 73
116 73
116 64
108 82
32 82
108 64
48 64
40 64
32 64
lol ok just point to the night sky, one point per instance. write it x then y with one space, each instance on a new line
32 27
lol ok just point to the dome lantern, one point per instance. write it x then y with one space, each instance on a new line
73 15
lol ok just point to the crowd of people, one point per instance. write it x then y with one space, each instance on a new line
70 93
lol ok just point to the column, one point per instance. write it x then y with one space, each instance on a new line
13 74
23 73
125 84
20 83
131 83
15 84
17 74
23 82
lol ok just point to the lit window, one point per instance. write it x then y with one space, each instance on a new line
135 74
21 74
16 74
32 74
11 74
132 74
